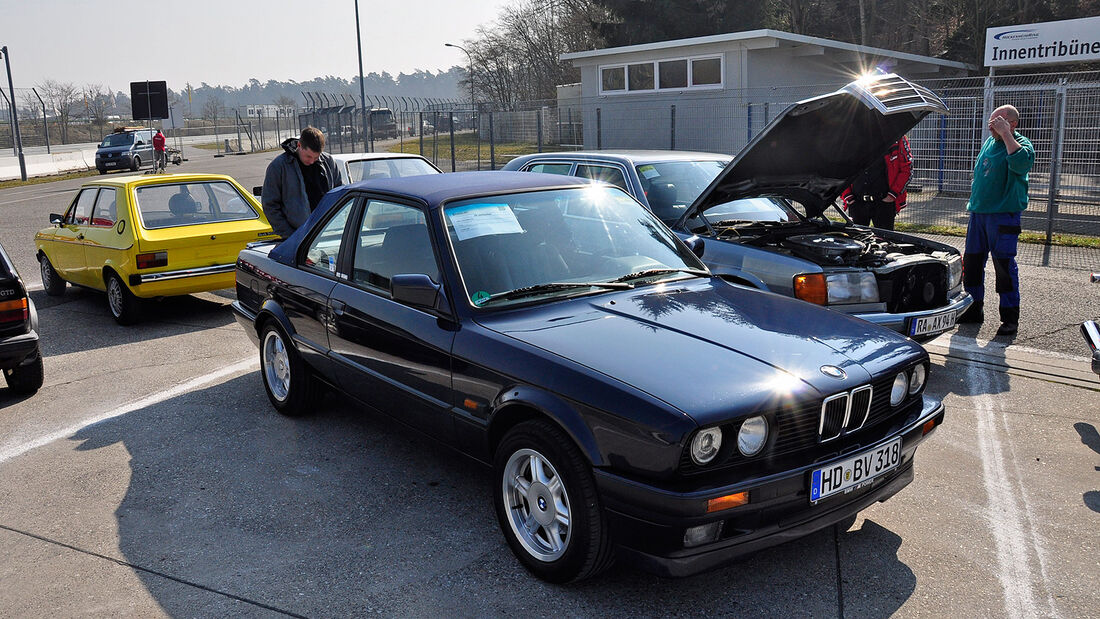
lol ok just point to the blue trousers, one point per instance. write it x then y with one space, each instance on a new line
997 234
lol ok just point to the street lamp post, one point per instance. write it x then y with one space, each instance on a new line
14 115
473 110
362 87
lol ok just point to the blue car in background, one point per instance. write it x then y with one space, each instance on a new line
628 402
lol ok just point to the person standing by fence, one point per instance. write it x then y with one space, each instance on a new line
998 196
878 194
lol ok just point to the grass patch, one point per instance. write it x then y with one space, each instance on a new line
38 180
465 147
1035 238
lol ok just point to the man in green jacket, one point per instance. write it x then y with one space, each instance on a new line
998 195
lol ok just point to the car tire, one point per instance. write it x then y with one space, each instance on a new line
52 282
288 381
125 307
102 170
532 506
26 379
136 164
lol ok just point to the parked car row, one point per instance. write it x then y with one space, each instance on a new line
638 390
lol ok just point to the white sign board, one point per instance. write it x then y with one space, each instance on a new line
1055 42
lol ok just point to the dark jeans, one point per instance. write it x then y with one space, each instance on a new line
997 234
881 213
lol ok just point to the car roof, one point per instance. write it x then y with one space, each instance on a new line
435 189
365 156
132 180
634 157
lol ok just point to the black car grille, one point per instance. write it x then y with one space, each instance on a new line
914 288
800 434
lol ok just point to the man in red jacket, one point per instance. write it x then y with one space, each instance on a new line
159 160
878 194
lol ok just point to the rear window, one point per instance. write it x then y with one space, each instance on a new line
185 204
388 168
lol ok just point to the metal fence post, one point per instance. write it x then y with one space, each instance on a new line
492 145
599 129
420 132
11 125
45 124
672 127
538 127
1057 135
748 122
942 153
452 143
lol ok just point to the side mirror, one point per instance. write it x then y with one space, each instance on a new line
696 245
1091 333
257 190
1095 278
56 219
139 143
417 290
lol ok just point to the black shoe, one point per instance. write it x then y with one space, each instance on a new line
974 314
1010 321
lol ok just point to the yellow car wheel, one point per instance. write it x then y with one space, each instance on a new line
125 307
52 282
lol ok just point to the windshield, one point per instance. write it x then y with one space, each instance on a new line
549 244
185 204
388 168
747 210
118 139
671 186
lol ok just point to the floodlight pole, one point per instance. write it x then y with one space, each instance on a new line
45 124
14 115
362 86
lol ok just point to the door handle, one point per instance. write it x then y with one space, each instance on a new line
80 237
338 307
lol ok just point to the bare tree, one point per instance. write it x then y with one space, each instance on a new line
60 99
212 109
97 102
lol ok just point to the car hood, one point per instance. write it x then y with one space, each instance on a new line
713 350
816 148
103 150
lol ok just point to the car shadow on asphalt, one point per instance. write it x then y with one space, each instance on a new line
79 321
342 513
1091 439
984 379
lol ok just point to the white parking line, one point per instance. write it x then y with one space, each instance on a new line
15 451
1008 512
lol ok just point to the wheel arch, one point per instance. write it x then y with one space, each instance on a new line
516 405
271 311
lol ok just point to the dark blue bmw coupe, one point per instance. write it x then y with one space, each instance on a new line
628 402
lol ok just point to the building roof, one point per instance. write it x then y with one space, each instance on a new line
766 38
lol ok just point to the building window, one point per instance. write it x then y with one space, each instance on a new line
612 79
700 72
674 73
706 72
640 76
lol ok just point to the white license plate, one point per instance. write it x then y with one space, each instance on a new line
855 472
931 324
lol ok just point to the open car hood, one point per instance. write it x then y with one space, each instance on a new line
815 148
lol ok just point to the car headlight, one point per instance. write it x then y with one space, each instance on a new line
705 445
852 288
752 436
917 379
898 390
954 272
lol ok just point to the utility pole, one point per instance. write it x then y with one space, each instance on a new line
14 115
362 86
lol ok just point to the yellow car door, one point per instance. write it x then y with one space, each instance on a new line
66 248
107 238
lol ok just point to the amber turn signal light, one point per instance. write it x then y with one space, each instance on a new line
727 502
811 287
14 311
928 426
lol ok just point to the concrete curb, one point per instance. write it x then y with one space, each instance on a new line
1016 360
48 165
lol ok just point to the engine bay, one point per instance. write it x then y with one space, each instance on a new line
826 244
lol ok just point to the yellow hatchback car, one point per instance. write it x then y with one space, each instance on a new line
140 237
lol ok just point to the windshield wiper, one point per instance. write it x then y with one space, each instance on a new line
527 291
661 271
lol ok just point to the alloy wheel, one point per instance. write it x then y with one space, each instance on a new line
537 503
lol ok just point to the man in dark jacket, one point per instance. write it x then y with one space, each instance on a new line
296 180
878 194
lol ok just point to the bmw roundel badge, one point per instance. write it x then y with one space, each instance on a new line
832 370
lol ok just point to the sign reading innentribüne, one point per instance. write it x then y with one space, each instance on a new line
1056 42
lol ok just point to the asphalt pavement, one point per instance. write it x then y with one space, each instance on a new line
151 477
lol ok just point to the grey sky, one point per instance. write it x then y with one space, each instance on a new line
229 41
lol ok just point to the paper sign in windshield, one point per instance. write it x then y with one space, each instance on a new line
477 220
648 171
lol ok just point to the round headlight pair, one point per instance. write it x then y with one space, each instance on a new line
908 384
751 438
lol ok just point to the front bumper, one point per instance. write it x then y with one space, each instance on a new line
649 522
16 349
246 319
900 321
